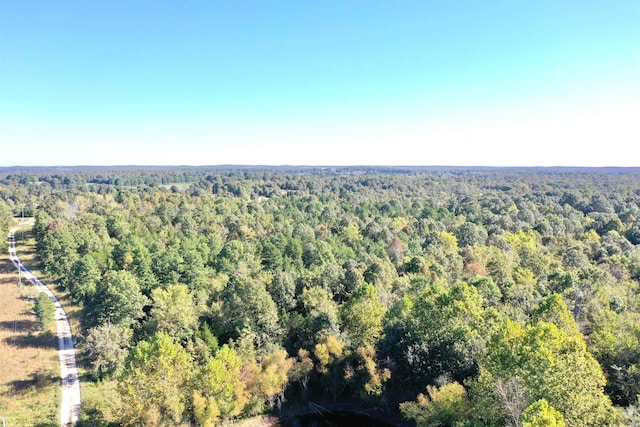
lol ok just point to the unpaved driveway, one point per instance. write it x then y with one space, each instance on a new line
70 405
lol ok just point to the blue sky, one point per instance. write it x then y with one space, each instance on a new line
544 82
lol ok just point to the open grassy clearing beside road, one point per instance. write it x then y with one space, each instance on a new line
29 370
101 402
26 250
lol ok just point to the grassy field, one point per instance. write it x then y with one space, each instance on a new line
100 401
101 404
29 369
25 245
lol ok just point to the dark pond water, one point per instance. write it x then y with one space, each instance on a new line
333 419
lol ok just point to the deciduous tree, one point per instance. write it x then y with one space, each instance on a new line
156 382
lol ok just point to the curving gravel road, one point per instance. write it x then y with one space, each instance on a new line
70 405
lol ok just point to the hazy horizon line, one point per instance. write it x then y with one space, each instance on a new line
324 166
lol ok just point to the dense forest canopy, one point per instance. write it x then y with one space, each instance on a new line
473 296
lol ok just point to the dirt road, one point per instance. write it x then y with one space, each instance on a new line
70 405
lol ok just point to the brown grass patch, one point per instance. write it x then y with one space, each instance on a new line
29 370
26 250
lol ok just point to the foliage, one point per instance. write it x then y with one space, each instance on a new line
552 365
107 348
521 284
362 317
118 299
450 326
446 405
541 414
220 391
374 376
173 311
5 223
155 381
45 311
329 355
274 376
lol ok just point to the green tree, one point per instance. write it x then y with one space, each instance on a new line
118 299
232 254
45 311
551 365
156 382
5 223
541 414
107 347
615 342
362 316
330 354
274 376
469 234
552 309
321 311
85 276
271 256
173 311
219 388
283 290
131 254
248 305
60 251
447 405
372 376
449 327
